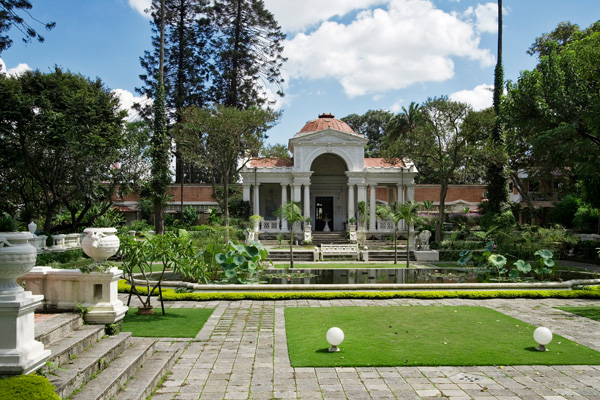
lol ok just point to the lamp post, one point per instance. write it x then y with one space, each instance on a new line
542 336
335 336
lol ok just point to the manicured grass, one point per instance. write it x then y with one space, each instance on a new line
176 323
588 312
424 336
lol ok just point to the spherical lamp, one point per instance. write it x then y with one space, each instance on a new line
542 336
335 336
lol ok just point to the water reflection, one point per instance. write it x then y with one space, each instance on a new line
340 276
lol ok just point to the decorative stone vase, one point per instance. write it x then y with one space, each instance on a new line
17 257
100 243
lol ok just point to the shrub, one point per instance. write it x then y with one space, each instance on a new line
27 387
586 220
587 249
564 211
503 221
64 257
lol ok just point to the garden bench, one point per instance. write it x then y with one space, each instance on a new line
340 250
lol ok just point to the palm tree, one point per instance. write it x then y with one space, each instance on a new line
292 212
406 211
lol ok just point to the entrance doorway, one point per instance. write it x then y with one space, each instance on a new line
323 213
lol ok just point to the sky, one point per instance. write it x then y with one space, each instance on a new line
344 56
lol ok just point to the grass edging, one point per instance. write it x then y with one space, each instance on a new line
171 295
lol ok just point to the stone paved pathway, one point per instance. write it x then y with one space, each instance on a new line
241 353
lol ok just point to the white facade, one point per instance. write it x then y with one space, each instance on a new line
329 176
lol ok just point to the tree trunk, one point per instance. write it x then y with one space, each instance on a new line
440 221
292 245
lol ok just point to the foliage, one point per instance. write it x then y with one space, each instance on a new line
406 211
247 53
27 387
581 293
564 211
62 135
63 257
503 221
291 212
9 18
586 249
564 34
586 219
373 125
218 137
277 150
111 218
190 215
241 262
438 143
8 223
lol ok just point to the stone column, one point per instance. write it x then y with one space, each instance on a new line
350 200
410 192
256 197
246 192
372 210
284 223
306 201
296 192
400 197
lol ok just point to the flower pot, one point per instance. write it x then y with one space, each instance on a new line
145 310
100 243
17 257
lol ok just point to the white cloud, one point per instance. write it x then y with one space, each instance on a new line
294 16
16 71
140 6
486 17
127 100
386 49
479 98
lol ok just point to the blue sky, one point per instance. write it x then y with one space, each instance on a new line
345 56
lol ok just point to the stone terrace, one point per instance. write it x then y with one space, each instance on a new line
241 353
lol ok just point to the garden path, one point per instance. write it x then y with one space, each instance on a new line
241 353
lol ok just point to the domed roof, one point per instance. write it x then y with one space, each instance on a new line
326 121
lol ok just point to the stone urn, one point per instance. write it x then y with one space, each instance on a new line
100 243
17 257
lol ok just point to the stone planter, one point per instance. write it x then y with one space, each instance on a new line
66 289
20 353
100 243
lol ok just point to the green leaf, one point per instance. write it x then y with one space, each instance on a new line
514 273
544 253
523 266
230 273
221 258
497 260
549 262
239 260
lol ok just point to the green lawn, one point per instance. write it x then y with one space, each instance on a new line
424 336
588 312
176 323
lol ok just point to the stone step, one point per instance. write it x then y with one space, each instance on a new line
57 327
72 375
70 346
142 384
109 381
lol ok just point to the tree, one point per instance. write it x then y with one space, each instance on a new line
276 150
291 212
439 143
10 18
218 138
497 188
403 123
248 53
397 212
564 34
373 125
63 141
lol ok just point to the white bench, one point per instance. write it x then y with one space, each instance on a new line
340 250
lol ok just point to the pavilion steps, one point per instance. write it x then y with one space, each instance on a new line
388 255
319 238
87 364
284 255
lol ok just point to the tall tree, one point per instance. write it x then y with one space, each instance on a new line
218 138
291 212
497 187
403 123
440 143
161 144
373 125
248 53
10 18
564 34
62 143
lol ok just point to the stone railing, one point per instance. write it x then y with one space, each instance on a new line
270 226
385 225
60 242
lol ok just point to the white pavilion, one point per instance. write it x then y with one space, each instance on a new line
329 175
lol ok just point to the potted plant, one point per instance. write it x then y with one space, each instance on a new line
255 220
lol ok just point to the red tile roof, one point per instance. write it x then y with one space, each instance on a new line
380 163
326 121
269 162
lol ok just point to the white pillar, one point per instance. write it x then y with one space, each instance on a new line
296 192
306 201
372 211
400 197
256 197
410 192
284 224
246 192
350 201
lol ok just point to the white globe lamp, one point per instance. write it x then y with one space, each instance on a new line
335 336
542 336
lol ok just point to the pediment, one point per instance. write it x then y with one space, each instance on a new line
328 136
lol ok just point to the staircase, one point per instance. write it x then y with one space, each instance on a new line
87 364
388 255
318 238
284 255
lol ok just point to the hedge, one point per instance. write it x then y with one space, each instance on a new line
27 387
171 295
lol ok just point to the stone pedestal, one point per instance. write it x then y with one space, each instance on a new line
427 255
20 353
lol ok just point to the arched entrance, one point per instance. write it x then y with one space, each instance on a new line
329 187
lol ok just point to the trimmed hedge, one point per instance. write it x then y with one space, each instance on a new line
27 387
171 295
